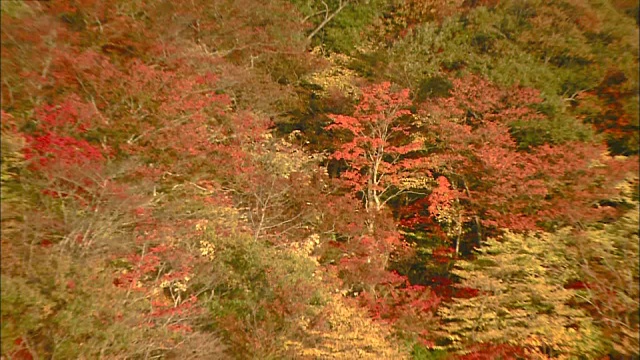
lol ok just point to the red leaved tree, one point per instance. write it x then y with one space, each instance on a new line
504 187
376 149
380 153
378 145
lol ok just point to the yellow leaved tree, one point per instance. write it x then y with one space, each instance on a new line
521 302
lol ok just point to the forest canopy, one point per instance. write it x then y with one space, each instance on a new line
338 179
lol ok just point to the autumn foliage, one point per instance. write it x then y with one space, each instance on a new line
294 180
378 144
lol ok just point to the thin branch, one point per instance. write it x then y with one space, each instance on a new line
327 19
325 11
10 91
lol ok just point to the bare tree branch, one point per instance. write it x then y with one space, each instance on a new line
327 19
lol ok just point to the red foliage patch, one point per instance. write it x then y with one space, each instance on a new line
446 289
577 285
22 352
